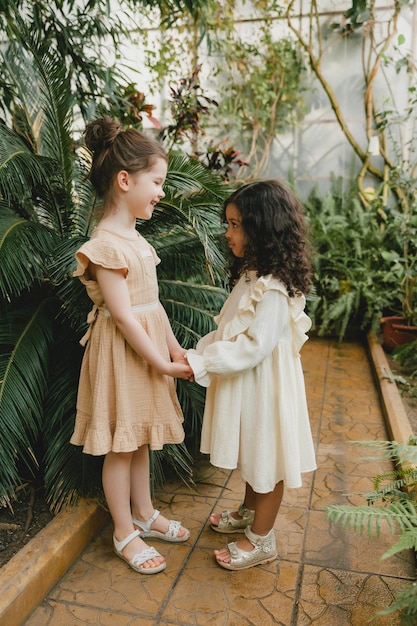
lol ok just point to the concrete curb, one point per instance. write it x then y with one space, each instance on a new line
28 577
398 424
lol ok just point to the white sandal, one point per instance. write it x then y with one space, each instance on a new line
171 535
265 551
139 559
228 524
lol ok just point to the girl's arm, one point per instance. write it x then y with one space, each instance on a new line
246 350
116 296
175 349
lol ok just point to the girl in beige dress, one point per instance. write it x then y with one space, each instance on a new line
126 398
256 416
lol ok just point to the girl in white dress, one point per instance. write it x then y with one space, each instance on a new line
256 415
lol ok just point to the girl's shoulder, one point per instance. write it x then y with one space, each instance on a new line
255 293
103 248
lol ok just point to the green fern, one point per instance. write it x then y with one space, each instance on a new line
394 504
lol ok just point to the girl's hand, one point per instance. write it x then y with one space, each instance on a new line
179 356
181 369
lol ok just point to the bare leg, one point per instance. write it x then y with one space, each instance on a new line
266 510
116 485
140 492
249 501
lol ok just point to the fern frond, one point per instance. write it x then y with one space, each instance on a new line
407 541
402 515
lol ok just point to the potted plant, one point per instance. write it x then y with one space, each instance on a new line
400 327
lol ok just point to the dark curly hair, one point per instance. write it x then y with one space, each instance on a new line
273 220
115 149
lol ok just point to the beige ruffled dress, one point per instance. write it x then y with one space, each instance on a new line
256 415
122 402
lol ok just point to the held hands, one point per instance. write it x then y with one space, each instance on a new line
180 359
181 369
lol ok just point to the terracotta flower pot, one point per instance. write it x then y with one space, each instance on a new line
396 332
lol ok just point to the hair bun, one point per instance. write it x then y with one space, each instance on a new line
101 133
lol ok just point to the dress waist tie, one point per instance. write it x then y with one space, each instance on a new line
92 316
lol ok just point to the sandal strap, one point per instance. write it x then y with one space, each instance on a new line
120 545
173 528
146 526
244 511
227 521
267 543
146 555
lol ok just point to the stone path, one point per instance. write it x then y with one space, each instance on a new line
324 576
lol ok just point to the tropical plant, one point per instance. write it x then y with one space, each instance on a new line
405 357
392 503
352 261
46 212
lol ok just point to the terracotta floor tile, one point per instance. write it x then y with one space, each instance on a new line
343 598
324 576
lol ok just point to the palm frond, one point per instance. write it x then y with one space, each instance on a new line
24 246
25 340
187 176
20 169
43 91
192 398
69 473
75 302
175 457
190 308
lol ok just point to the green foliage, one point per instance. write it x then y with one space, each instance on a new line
46 212
255 81
406 357
356 251
392 503
260 91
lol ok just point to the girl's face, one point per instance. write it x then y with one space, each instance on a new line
147 189
235 234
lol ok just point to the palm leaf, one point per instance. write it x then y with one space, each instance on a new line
20 169
24 245
42 84
69 473
23 387
175 457
187 175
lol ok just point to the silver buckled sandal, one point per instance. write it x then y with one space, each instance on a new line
228 524
140 558
265 551
171 535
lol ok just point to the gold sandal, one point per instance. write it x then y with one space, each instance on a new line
265 551
228 524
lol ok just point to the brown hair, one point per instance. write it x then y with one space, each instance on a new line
115 149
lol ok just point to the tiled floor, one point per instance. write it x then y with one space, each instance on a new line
324 576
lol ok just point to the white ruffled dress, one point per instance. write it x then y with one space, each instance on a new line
256 415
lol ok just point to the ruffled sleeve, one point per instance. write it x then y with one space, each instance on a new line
266 315
299 321
100 252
